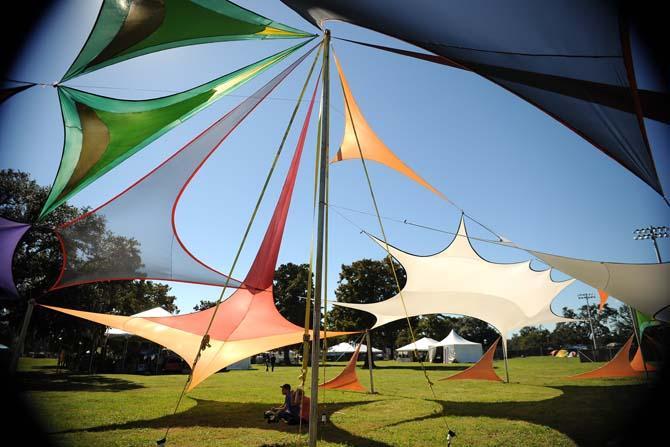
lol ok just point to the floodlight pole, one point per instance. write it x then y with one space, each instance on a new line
318 277
652 233
587 297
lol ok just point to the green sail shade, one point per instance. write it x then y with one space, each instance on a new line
126 29
102 132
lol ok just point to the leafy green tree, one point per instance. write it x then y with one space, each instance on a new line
367 281
204 305
290 294
530 338
38 260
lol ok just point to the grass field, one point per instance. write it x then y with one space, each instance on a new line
540 407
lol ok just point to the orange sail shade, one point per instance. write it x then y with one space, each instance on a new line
482 370
347 380
619 366
358 131
603 299
637 363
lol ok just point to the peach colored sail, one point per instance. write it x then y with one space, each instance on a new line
347 380
482 370
619 366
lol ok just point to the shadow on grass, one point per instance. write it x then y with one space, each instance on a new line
216 414
429 367
63 381
589 415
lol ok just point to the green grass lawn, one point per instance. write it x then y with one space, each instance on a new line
540 407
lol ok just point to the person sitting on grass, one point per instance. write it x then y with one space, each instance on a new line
289 412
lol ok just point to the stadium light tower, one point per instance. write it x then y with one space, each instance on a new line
652 233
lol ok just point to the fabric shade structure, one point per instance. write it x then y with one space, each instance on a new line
347 380
10 234
595 68
358 131
458 281
246 323
8 92
143 217
126 29
457 349
482 370
643 286
155 312
619 366
102 132
603 299
422 344
638 363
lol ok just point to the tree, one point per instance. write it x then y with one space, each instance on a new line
367 281
38 260
530 338
290 294
475 330
204 305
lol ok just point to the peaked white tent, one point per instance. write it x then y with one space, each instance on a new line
457 349
459 281
346 348
155 312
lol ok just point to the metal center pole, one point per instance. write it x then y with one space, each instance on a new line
318 277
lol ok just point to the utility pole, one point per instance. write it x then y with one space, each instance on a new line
587 297
318 277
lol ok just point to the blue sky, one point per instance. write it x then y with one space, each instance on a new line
505 162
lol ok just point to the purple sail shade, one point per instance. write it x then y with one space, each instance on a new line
10 234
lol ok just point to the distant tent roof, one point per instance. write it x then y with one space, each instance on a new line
126 29
345 347
423 344
458 281
454 339
247 322
10 234
143 216
589 65
102 132
155 312
644 286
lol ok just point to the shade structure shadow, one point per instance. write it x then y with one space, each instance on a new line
428 367
217 414
64 381
589 415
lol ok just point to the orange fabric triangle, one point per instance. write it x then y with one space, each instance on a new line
482 370
358 131
637 364
603 299
619 366
347 379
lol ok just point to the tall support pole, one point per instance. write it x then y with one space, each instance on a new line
369 341
318 277
505 357
18 348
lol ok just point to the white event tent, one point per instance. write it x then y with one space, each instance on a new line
457 349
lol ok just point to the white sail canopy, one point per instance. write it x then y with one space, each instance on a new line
646 287
458 281
155 312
